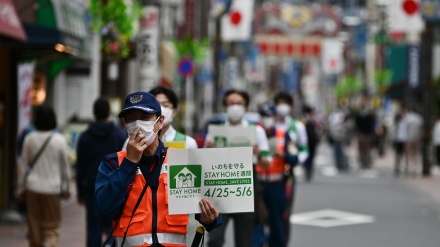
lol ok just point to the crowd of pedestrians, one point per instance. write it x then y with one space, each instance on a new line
122 184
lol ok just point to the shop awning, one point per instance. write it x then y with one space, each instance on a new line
10 24
66 18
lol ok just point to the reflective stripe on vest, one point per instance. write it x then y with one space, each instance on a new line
280 139
270 177
274 172
139 240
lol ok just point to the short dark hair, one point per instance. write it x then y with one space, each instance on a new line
308 109
101 109
169 93
283 96
44 118
242 93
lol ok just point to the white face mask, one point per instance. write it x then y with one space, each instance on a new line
147 128
168 114
235 112
268 122
283 109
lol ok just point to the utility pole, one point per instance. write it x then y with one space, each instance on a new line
217 49
427 95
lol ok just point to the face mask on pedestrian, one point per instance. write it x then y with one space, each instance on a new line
268 122
168 114
235 112
283 109
147 128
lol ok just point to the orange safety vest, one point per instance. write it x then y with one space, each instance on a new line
171 229
275 171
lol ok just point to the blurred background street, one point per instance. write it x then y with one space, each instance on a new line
363 77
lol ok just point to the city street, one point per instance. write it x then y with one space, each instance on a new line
355 209
364 209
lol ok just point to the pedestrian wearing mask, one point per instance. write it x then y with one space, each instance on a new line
101 138
312 128
272 180
44 176
291 149
132 184
169 104
236 103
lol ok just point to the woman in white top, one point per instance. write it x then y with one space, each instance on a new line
47 181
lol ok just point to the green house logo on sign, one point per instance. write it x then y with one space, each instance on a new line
185 176
220 142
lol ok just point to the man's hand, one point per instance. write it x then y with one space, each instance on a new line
136 146
209 213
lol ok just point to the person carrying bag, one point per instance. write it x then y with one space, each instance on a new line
44 175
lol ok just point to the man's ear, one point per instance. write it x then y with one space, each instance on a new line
174 112
160 121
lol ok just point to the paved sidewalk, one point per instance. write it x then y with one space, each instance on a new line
427 185
72 230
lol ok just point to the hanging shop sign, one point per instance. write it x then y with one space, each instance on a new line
147 48
290 46
413 66
297 20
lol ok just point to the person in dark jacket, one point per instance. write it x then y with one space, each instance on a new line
312 128
101 138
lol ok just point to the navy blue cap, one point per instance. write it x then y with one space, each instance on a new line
143 101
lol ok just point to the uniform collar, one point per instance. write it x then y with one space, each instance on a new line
169 134
147 160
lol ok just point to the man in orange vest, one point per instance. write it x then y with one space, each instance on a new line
132 184
289 140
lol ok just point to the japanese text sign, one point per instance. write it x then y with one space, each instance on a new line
221 175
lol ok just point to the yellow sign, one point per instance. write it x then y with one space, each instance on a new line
178 145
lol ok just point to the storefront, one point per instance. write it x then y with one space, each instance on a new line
50 39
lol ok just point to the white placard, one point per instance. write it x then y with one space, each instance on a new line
221 175
232 136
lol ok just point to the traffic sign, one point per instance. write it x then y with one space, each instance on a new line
185 67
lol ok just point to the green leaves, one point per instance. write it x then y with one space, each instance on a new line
117 21
188 47
349 85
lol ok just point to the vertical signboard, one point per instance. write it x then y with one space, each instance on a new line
25 80
413 66
147 48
